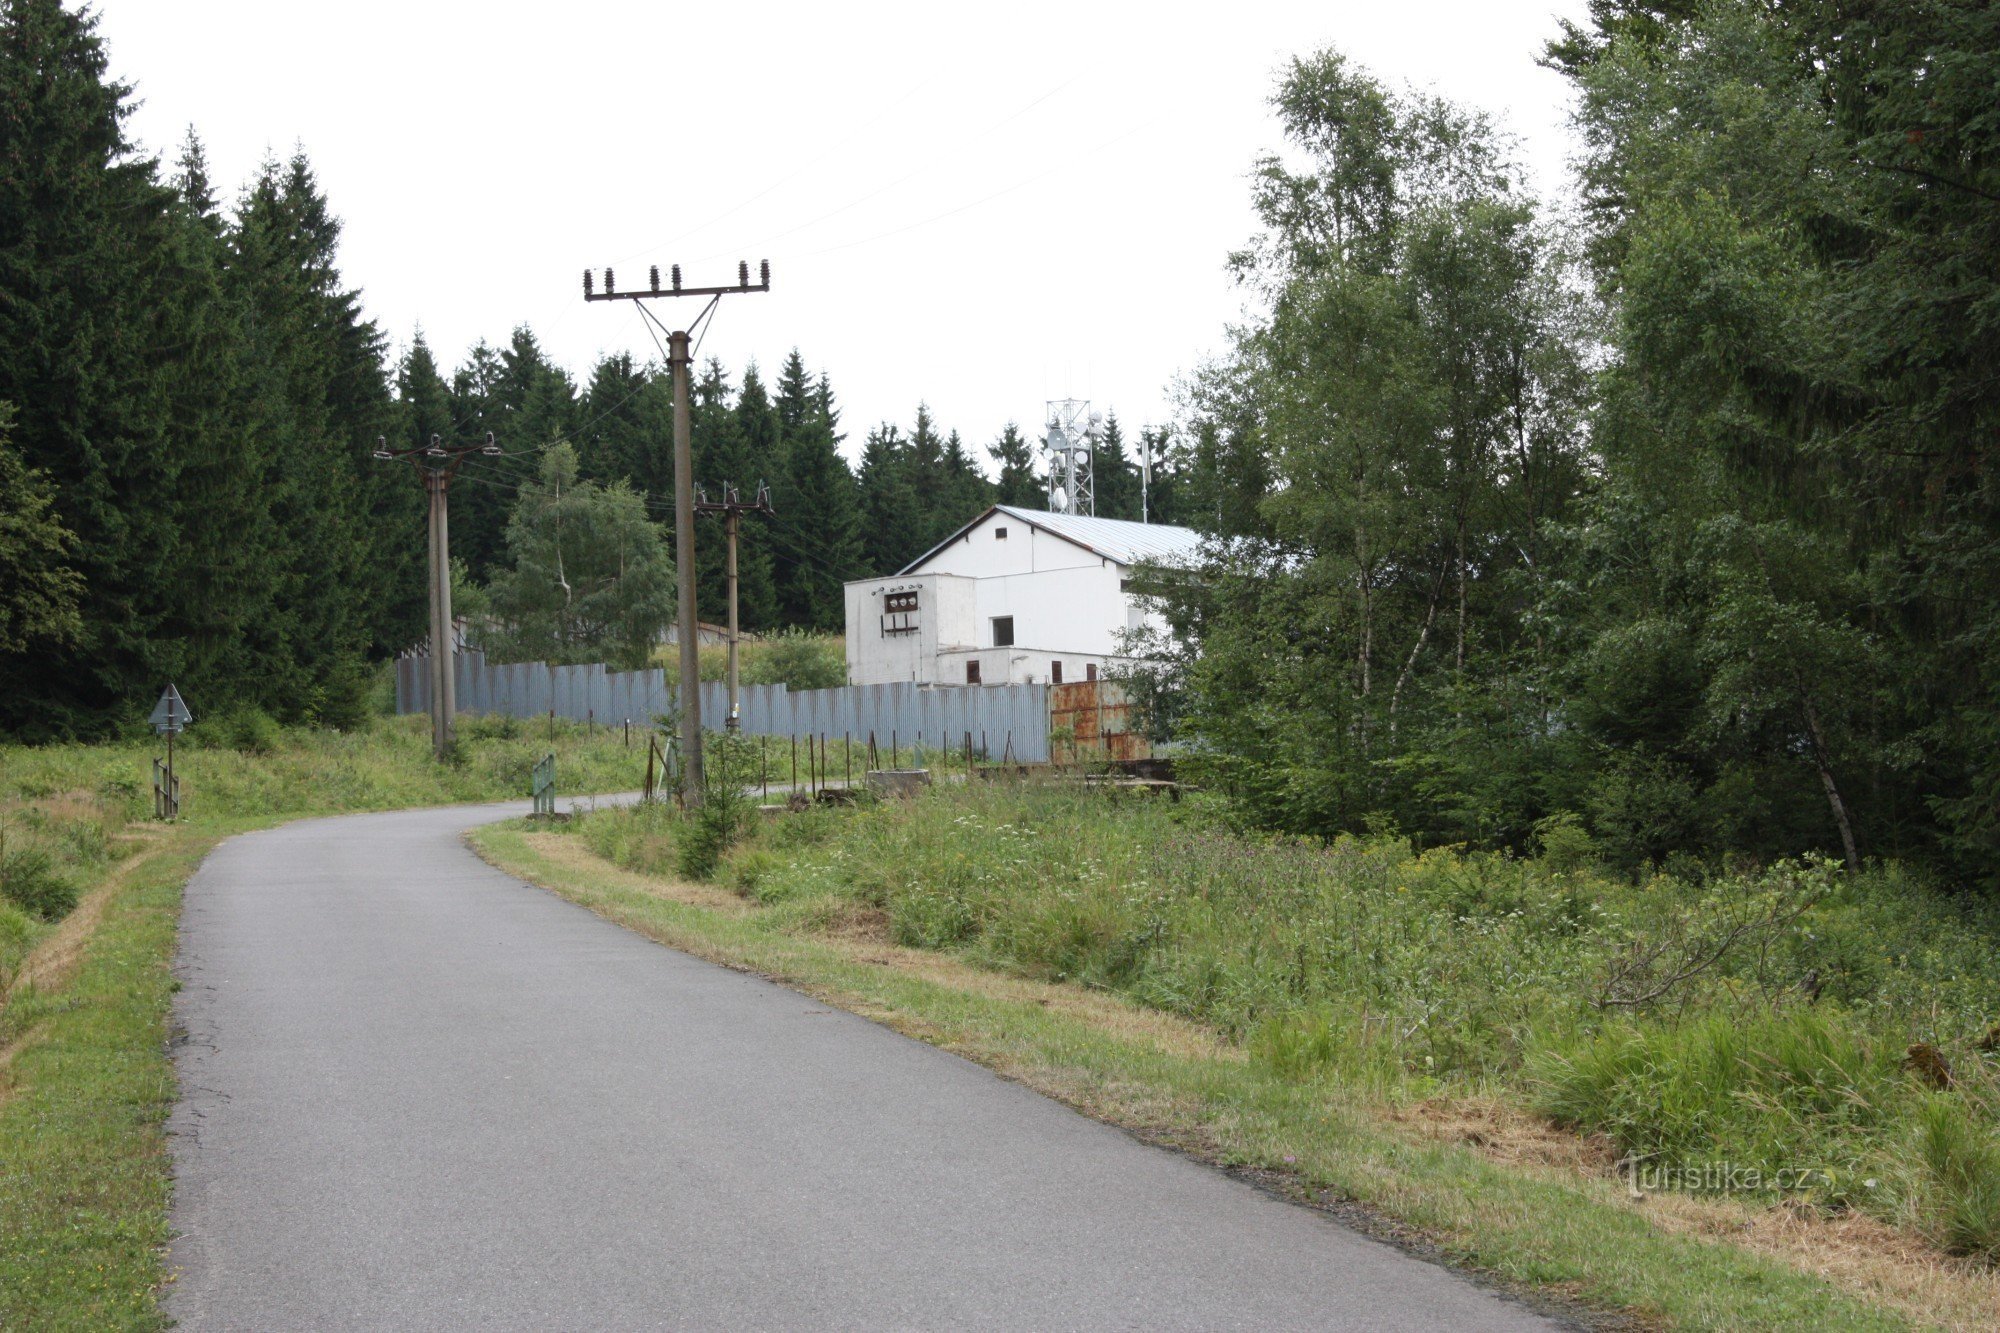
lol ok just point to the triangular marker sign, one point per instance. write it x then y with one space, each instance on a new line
170 714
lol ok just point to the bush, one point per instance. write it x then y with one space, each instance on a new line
343 701
30 881
246 729
710 831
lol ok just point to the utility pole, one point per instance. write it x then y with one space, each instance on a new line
680 359
732 509
437 463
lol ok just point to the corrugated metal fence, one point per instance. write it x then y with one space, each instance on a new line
1003 715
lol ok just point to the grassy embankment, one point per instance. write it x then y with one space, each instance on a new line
1468 1045
89 900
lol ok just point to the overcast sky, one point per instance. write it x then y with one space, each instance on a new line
983 207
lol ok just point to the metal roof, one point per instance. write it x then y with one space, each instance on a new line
1117 539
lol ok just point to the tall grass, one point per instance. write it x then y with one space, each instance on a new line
1758 1021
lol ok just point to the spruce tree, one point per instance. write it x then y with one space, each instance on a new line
38 590
891 535
95 306
620 439
817 530
1114 479
1018 483
759 458
347 576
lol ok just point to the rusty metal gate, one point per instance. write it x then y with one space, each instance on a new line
1093 721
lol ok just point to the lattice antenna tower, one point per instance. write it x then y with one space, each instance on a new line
1070 438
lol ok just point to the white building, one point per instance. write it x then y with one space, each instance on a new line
1015 596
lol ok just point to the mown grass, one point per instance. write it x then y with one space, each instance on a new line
86 980
1793 1036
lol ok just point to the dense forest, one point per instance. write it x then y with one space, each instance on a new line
1666 518
1675 524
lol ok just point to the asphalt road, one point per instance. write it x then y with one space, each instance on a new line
419 1094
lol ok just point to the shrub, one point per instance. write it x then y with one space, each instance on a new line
710 831
247 730
30 880
1564 844
802 660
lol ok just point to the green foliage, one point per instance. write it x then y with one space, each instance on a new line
249 730
29 879
1960 1151
800 660
39 604
710 830
590 580
1391 446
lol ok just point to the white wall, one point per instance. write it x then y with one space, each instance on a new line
944 617
1066 602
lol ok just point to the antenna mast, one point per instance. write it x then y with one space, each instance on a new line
1071 434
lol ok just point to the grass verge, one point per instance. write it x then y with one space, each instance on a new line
1540 1226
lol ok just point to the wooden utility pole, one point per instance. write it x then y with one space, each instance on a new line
732 509
680 359
437 463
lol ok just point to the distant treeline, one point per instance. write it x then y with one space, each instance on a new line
833 522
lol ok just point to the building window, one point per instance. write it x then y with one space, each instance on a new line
1055 673
999 534
899 613
971 671
1003 631
1090 671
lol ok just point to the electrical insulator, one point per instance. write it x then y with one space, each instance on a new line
492 449
764 271
677 277
586 282
608 288
655 275
743 273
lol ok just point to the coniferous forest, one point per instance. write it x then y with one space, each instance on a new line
1669 514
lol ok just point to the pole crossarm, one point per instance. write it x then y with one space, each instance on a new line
611 293
436 463
679 360
437 459
732 501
